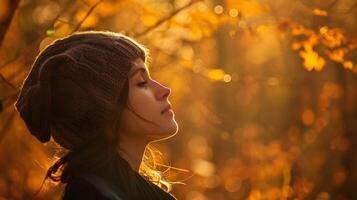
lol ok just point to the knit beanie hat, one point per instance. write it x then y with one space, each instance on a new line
74 89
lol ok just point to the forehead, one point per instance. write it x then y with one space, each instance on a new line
138 65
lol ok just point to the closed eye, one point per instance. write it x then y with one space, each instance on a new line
142 84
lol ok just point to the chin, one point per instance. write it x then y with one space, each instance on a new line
167 132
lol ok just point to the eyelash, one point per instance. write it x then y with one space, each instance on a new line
142 84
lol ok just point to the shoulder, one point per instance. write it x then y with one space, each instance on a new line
89 187
80 188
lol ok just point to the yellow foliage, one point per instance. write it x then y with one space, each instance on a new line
108 8
312 41
255 195
196 33
297 29
308 117
263 29
62 30
149 20
186 63
312 60
332 37
323 30
206 21
90 21
337 55
248 7
348 65
215 74
296 45
319 12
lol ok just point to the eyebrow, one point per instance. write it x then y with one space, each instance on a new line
138 70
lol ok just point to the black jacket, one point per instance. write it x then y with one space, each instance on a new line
114 179
91 187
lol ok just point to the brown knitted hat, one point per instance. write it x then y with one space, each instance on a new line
73 90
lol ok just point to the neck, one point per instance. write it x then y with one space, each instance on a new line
132 148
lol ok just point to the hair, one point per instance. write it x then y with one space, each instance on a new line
84 76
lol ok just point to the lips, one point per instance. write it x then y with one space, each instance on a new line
167 108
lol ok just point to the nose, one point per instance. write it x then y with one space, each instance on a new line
163 92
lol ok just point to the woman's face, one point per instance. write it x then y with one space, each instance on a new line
148 99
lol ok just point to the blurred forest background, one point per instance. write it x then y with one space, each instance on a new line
264 91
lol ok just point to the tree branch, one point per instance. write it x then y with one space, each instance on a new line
7 126
25 52
166 18
332 4
352 8
4 25
2 78
87 15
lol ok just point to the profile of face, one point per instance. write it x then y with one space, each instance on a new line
148 114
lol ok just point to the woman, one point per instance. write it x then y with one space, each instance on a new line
92 92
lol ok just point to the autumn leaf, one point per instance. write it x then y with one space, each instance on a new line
348 65
337 55
312 60
332 37
215 74
319 12
149 20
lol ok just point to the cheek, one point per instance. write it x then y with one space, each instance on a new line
143 103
